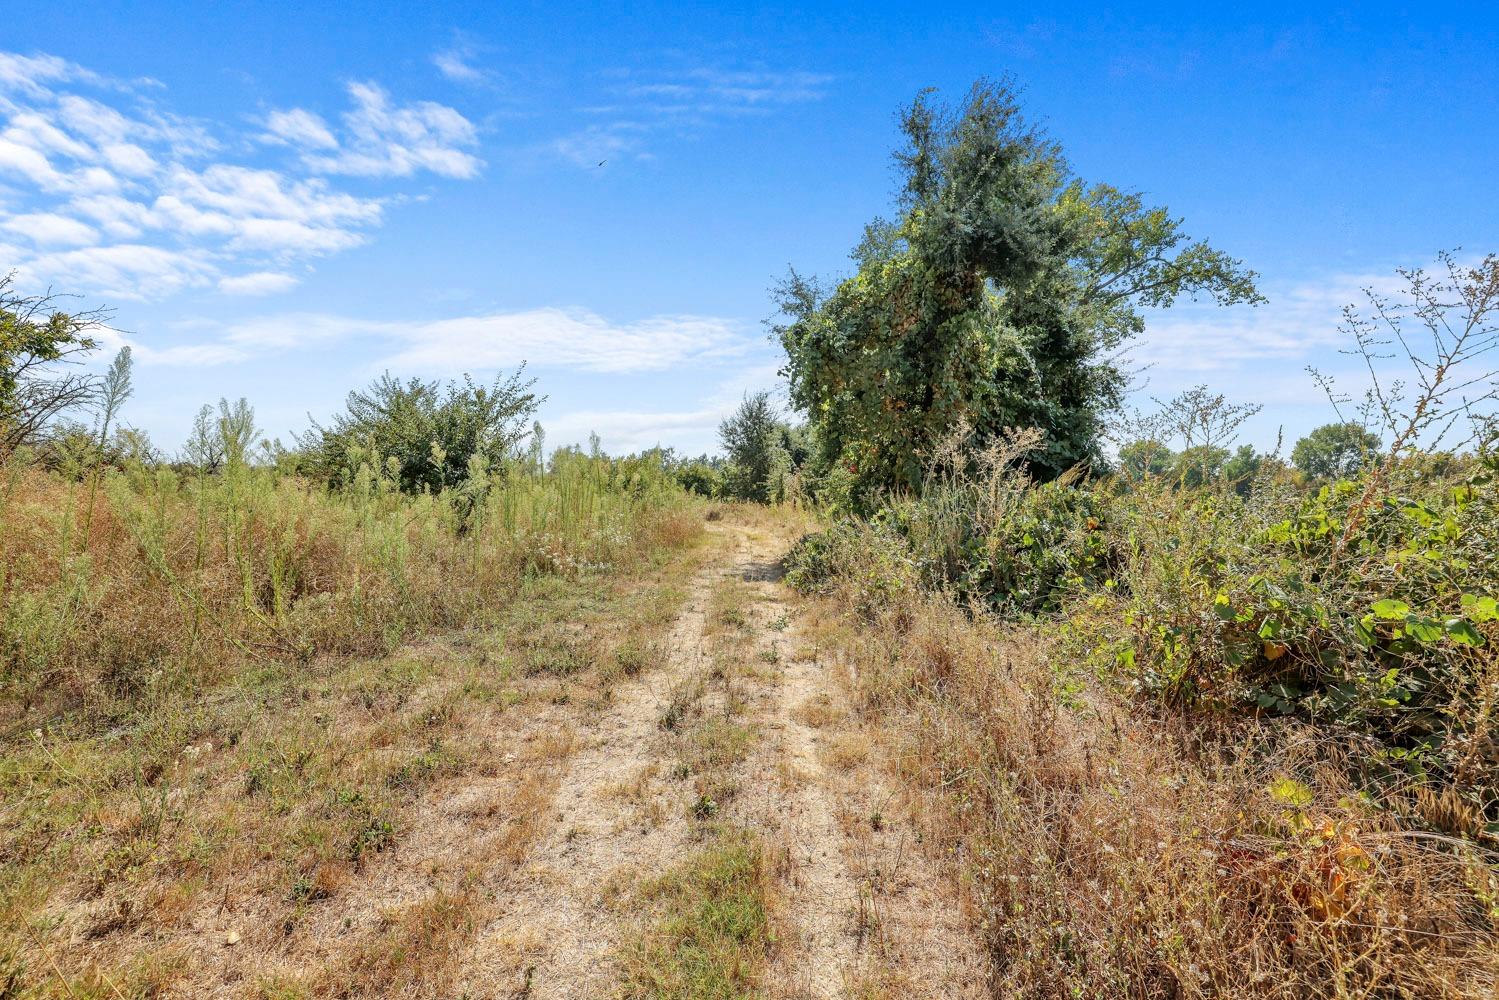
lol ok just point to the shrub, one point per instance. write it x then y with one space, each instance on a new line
427 435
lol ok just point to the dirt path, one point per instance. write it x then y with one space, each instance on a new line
867 908
862 909
556 938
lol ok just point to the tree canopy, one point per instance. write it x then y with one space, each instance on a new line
1335 450
429 431
762 449
997 298
38 343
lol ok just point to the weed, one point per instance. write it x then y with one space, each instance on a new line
709 932
374 835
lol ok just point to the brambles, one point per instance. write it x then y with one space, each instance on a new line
427 436
1180 709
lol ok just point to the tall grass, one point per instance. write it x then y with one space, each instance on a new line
125 577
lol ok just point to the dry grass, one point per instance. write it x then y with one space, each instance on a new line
706 927
1108 852
164 578
212 775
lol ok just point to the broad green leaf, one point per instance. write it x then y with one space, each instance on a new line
1462 631
1291 792
1480 609
1424 629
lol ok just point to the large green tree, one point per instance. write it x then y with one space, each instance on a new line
761 447
998 297
1336 450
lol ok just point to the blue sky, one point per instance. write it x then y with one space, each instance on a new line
281 200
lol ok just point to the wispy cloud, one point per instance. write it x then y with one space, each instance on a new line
298 127
575 338
114 195
622 431
48 229
693 430
638 108
458 64
595 144
381 138
258 283
705 92
122 270
34 73
1298 321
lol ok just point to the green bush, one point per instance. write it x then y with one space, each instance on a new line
701 477
1229 599
431 435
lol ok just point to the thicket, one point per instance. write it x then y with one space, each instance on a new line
1253 713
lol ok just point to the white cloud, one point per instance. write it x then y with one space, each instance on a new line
19 160
457 64
122 271
48 229
261 210
705 91
595 144
383 139
36 132
681 102
113 174
258 283
1297 321
244 193
572 338
694 431
575 338
743 89
298 127
188 355
292 237
119 217
31 74
128 158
